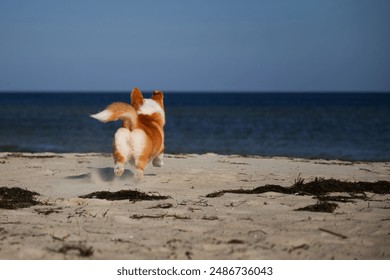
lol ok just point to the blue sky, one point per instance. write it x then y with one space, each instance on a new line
183 45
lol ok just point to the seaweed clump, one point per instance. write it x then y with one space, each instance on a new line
321 206
320 188
14 198
124 195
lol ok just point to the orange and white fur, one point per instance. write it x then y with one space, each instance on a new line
141 137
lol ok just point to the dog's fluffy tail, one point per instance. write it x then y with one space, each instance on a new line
118 111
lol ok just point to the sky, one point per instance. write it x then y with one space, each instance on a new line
202 45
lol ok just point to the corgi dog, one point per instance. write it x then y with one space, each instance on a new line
141 137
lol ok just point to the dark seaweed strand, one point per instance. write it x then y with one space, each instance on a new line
317 187
123 195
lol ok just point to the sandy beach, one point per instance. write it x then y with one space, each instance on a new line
179 217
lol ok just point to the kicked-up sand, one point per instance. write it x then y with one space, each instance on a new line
194 207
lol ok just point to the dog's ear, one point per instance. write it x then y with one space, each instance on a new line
136 98
158 96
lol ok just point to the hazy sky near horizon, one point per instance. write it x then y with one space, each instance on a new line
203 45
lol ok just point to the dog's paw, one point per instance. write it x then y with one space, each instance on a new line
119 169
158 161
138 174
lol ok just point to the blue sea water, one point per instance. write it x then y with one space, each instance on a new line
348 126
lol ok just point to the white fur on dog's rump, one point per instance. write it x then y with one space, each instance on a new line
130 143
122 142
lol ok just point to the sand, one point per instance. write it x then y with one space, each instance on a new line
188 224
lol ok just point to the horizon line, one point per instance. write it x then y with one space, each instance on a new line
197 91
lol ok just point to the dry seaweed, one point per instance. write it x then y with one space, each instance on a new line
14 198
82 249
321 206
33 156
236 241
317 187
320 188
124 195
48 211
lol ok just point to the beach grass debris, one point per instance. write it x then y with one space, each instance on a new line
300 247
158 216
342 236
162 206
14 198
131 195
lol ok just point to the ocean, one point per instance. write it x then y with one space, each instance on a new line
346 126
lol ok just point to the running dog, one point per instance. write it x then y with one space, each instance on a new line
141 137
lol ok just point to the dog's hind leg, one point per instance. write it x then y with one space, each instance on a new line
140 164
121 150
119 163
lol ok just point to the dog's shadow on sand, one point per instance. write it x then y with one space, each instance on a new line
105 174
